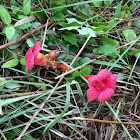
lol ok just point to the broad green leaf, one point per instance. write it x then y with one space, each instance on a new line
26 6
129 35
2 83
118 10
10 31
5 16
86 59
132 6
22 16
86 31
18 34
86 71
70 28
24 26
15 9
107 63
10 63
30 42
137 23
97 3
108 3
76 73
11 85
35 25
23 61
71 38
58 16
70 20
15 56
107 48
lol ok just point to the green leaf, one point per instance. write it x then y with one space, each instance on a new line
129 35
2 83
10 31
5 16
118 10
71 38
108 3
24 26
10 63
70 28
26 6
15 9
71 20
23 61
86 71
86 31
97 3
18 34
15 56
11 85
86 59
137 23
30 42
58 16
76 73
107 48
132 6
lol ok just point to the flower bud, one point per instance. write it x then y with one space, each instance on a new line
52 54
40 56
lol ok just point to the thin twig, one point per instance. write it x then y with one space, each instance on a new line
104 121
25 36
42 105
45 34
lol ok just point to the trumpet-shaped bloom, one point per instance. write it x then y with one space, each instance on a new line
101 86
34 57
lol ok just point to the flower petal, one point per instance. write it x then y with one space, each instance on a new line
112 81
29 60
88 76
36 48
105 95
92 94
40 62
62 67
26 68
104 74
55 63
93 81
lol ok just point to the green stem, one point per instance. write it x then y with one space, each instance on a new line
52 63
119 120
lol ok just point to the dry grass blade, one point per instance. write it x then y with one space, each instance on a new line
104 121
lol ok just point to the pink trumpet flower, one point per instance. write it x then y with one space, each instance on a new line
101 86
34 57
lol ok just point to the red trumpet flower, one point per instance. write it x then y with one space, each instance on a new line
34 57
101 86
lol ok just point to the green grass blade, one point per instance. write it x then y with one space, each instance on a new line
52 123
